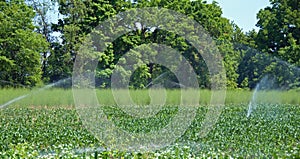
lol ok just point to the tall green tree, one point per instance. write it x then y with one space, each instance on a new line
277 41
62 58
279 32
82 16
20 46
44 17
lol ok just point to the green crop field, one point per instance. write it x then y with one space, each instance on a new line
147 79
45 124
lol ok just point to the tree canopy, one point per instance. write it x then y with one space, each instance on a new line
279 32
29 53
20 46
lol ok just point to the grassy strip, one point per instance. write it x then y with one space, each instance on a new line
64 97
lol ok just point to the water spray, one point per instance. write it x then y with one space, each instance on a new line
156 79
252 103
34 92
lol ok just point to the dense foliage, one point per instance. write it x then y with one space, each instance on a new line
28 58
20 46
280 31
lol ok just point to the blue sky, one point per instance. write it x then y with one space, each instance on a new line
242 12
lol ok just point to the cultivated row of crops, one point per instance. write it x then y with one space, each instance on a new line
55 130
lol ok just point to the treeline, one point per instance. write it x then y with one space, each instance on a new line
36 51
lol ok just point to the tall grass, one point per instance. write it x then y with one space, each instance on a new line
64 97
51 97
